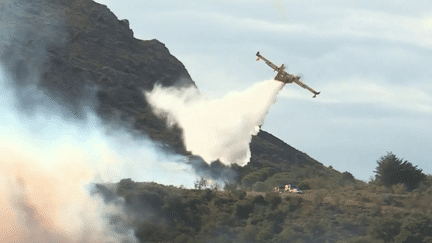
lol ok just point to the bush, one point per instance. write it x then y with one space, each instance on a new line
124 186
319 197
304 186
260 175
208 194
315 228
183 238
273 198
399 189
150 232
240 194
201 184
266 232
362 239
363 219
347 176
259 200
294 203
415 228
149 199
261 187
230 186
220 201
286 235
384 228
243 208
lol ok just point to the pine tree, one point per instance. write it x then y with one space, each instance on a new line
392 170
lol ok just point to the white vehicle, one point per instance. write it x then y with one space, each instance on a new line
293 188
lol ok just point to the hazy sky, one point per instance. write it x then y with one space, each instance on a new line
371 60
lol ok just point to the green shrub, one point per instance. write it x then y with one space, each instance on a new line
415 228
208 194
399 189
266 232
201 183
347 176
363 219
147 199
384 228
273 198
282 178
363 239
249 234
124 186
230 186
150 232
286 235
261 187
243 208
259 200
294 203
319 197
261 175
304 186
240 194
315 228
220 201
183 238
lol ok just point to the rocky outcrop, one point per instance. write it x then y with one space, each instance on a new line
268 150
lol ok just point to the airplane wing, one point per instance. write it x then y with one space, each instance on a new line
301 84
285 77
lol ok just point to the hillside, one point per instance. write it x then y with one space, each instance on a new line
346 212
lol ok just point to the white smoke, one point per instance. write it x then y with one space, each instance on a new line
216 128
48 163
49 154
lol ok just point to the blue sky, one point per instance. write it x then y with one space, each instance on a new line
371 60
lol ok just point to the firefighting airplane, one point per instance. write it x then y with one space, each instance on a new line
284 76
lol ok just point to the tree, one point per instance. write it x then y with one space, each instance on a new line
392 170
201 184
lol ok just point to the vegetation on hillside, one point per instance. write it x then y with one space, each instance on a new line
334 207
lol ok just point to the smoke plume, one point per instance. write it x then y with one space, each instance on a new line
53 147
48 165
216 129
